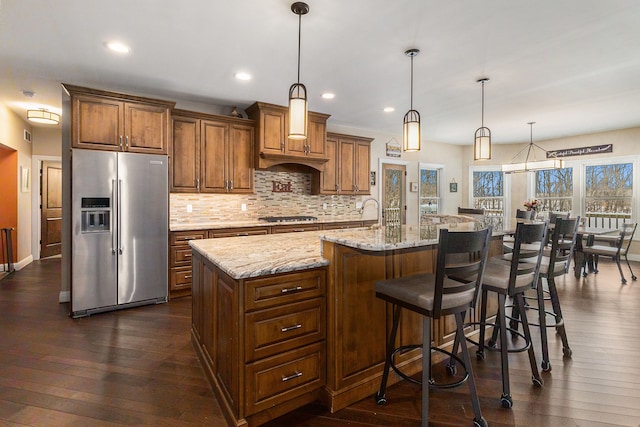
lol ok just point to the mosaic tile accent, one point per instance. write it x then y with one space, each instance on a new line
300 201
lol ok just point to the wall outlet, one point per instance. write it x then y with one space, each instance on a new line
189 208
324 206
358 205
243 207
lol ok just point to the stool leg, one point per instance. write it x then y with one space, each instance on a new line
426 368
633 276
536 378
555 302
381 398
542 321
475 402
624 281
506 400
483 324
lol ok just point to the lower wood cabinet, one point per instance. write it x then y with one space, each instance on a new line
180 261
261 340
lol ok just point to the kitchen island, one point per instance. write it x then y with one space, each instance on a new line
282 320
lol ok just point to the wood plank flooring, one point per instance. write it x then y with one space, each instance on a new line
137 366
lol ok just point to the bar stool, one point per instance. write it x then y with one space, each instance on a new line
511 276
616 246
555 262
461 254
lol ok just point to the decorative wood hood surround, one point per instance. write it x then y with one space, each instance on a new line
273 148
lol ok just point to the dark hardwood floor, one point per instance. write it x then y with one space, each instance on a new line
137 366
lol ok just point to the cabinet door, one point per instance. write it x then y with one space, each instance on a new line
346 159
362 166
274 131
185 156
329 178
241 159
97 123
146 128
214 137
316 135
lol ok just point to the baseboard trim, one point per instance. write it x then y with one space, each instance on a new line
65 296
23 263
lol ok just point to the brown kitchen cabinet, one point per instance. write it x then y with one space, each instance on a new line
261 340
348 169
238 232
211 154
295 228
180 274
272 145
117 122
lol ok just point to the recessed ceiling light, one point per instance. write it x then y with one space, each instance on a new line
389 109
118 47
243 76
328 95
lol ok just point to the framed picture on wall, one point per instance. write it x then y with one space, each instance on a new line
453 187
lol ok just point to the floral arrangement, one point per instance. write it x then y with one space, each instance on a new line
532 205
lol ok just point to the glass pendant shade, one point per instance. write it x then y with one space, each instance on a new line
298 112
43 116
411 131
482 144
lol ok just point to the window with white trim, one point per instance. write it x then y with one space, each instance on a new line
554 189
608 190
489 194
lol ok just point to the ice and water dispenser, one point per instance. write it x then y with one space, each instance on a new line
96 214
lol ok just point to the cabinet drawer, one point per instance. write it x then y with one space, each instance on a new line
283 289
181 237
284 328
342 225
294 228
180 278
180 256
235 232
277 379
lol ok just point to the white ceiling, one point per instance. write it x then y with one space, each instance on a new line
572 66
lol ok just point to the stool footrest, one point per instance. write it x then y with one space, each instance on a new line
432 383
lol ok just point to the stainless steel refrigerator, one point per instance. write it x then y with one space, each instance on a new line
119 230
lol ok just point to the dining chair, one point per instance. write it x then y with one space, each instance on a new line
510 277
615 247
461 254
521 214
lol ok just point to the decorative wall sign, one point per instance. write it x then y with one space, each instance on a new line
394 149
373 178
581 151
281 187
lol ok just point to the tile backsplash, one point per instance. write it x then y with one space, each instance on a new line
266 202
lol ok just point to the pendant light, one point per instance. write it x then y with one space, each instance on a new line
298 92
531 163
411 127
482 140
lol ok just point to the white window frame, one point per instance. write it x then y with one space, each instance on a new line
506 186
440 189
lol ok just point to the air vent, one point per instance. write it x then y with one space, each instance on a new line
27 135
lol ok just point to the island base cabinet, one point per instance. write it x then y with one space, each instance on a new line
261 341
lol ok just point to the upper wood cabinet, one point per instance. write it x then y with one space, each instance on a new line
347 171
272 145
116 122
211 154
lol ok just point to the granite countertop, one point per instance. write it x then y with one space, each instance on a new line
217 225
253 256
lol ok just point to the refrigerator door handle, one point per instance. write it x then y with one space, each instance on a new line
114 243
120 248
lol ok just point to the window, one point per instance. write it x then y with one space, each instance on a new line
428 191
554 188
608 194
488 194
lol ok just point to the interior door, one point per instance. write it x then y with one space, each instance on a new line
51 213
393 192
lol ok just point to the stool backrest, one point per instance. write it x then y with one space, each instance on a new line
626 235
529 242
563 240
462 256
524 214
555 215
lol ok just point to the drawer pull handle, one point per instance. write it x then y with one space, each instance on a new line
187 255
297 230
242 234
287 290
292 377
187 276
190 237
291 328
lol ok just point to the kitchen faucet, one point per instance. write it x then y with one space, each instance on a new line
364 202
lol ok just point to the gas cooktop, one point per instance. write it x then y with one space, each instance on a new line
292 218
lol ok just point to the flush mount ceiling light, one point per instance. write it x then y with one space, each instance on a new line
42 115
243 76
482 140
298 106
388 109
328 95
411 126
530 162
